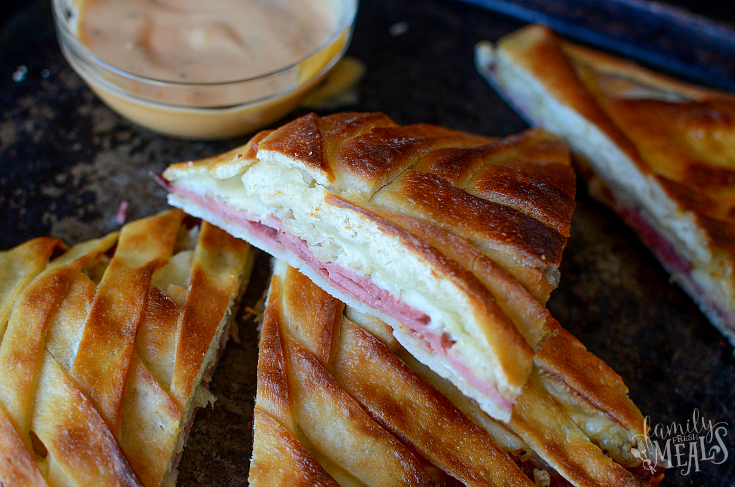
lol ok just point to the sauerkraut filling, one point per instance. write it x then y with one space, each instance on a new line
273 232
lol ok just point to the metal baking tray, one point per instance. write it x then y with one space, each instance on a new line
67 163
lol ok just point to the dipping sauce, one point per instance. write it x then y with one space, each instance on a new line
204 41
203 69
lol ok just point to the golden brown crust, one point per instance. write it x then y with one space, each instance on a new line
359 151
280 459
513 199
101 364
686 146
510 200
291 379
483 223
588 379
273 392
18 266
358 154
22 346
539 420
539 50
306 303
529 173
584 379
557 352
676 132
17 465
301 140
148 411
213 284
336 402
74 434
514 354
100 416
628 70
534 178
412 409
325 413
156 341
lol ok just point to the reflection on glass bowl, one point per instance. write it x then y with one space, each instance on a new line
209 110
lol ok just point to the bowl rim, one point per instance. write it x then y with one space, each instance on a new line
67 34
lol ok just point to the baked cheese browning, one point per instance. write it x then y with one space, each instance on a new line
329 399
545 436
552 434
585 379
599 400
66 433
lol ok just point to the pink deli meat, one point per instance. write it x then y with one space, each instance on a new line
271 232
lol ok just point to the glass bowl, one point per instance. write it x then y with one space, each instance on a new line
215 110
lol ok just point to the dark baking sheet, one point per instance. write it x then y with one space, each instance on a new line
665 36
67 163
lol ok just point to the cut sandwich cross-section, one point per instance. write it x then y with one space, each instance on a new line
657 150
405 223
340 402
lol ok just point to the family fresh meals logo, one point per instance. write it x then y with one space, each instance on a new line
682 445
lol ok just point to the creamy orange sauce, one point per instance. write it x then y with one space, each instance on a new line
205 41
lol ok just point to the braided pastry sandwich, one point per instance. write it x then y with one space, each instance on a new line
442 234
106 348
340 402
658 151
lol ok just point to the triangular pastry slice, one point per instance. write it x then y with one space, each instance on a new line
340 402
657 150
421 226
106 348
